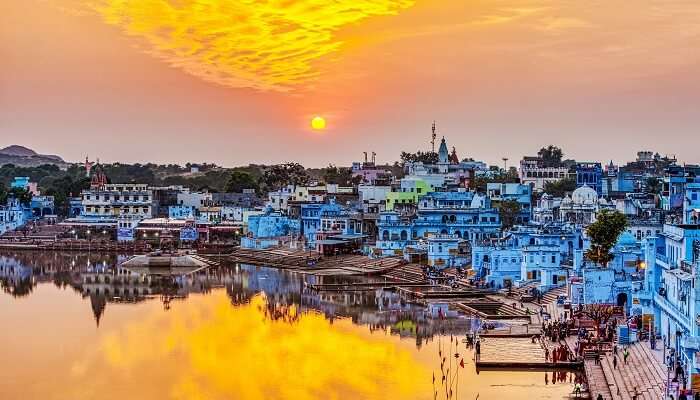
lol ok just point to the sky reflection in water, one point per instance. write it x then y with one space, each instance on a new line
222 342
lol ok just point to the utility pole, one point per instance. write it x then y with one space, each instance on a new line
505 164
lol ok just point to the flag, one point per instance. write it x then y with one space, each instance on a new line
461 363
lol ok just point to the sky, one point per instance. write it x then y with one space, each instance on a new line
238 81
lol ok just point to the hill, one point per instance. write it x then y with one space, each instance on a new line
24 157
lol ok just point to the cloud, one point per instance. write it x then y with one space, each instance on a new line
266 45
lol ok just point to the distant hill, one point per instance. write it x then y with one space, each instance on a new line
25 157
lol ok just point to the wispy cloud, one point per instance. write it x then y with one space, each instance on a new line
266 45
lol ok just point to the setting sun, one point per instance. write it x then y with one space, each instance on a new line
318 123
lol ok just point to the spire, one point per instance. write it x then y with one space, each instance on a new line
443 153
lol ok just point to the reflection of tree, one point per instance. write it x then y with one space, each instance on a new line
17 287
280 312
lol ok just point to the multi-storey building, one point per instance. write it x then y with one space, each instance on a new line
534 172
123 204
466 215
590 174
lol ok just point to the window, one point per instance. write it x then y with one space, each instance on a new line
554 259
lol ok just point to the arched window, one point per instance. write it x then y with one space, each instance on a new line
404 235
385 235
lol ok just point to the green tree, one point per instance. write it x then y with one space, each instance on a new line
428 157
561 187
280 175
241 180
509 211
604 233
340 176
551 155
654 185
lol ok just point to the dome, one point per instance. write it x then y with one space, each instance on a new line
626 239
566 201
584 195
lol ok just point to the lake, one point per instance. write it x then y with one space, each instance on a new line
74 326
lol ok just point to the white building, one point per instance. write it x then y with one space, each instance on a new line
534 172
122 203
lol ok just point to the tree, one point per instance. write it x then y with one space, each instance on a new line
508 211
340 176
599 313
561 187
280 175
604 233
428 157
654 185
551 155
239 181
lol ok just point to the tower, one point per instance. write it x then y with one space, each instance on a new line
432 141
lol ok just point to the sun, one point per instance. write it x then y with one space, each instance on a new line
318 123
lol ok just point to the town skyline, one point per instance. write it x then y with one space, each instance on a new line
501 79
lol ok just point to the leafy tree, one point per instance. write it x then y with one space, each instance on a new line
280 175
340 176
604 233
654 185
428 157
509 211
24 196
561 187
480 182
241 180
551 155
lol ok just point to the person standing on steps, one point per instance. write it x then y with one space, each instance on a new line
625 354
614 361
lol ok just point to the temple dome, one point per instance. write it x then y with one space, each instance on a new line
626 239
584 195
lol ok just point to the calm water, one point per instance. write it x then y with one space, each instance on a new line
74 327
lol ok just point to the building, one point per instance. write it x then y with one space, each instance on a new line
448 171
270 229
582 207
672 261
12 215
465 214
114 205
407 194
447 251
535 172
520 193
590 174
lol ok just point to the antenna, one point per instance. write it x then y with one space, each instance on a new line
432 142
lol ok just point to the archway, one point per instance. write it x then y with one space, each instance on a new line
622 299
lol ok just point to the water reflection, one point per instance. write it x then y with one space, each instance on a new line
237 332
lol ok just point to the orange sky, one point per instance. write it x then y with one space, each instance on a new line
236 81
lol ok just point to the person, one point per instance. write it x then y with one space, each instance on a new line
546 354
599 397
478 350
577 390
625 354
614 362
683 396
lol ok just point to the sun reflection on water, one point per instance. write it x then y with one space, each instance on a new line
208 349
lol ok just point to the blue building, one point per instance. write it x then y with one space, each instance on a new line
181 212
498 192
326 218
621 283
12 215
466 215
269 229
590 174
672 261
